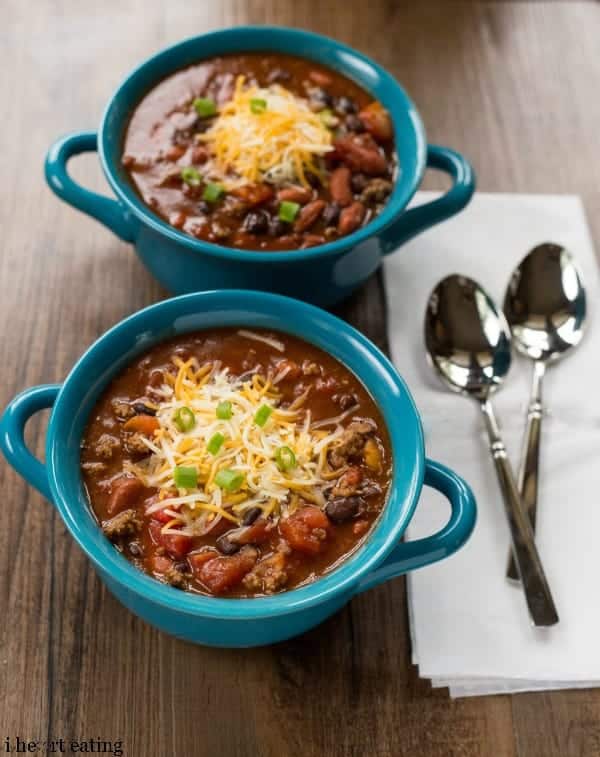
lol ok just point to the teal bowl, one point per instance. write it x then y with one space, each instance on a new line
322 275
262 620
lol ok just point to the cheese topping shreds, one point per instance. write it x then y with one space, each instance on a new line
279 142
249 448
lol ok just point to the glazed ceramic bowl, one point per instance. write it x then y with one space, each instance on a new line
322 275
260 620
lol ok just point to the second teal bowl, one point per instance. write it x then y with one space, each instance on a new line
262 620
322 275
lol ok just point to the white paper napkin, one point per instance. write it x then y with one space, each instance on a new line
470 628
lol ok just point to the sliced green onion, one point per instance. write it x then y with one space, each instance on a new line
191 176
212 192
328 118
224 410
258 105
285 458
228 479
288 211
262 415
184 419
185 477
205 107
214 443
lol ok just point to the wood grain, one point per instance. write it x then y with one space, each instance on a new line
514 86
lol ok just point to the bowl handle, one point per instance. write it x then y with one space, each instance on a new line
12 440
414 221
109 212
409 555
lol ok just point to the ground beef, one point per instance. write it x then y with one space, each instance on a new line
123 410
351 443
174 578
126 523
94 468
268 575
348 483
135 445
376 191
106 446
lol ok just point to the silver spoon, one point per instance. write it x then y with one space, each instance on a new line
468 341
545 309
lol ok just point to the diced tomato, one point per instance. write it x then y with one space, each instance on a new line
124 492
161 564
306 530
177 545
377 122
162 516
257 533
142 424
197 559
223 573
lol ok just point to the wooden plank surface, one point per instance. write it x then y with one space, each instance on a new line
514 86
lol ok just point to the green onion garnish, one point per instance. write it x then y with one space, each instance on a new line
258 105
185 477
288 211
228 479
224 410
214 443
184 419
328 118
285 459
262 415
191 176
212 192
205 107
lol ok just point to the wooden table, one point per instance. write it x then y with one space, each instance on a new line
514 86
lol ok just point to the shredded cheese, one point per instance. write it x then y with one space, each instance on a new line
281 143
248 448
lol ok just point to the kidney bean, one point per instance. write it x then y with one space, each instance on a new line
360 153
377 122
253 194
309 215
174 153
199 155
301 195
339 186
351 218
313 240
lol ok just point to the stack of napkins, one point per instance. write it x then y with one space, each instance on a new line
470 627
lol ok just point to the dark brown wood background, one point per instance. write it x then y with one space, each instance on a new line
513 85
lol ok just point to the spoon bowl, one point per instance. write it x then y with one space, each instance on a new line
545 303
467 337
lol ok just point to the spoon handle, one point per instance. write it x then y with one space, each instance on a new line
528 473
535 585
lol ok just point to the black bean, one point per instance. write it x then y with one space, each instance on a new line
135 549
353 123
320 97
142 409
341 509
203 207
358 182
226 546
182 566
256 222
277 227
345 401
331 214
345 105
313 180
251 515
